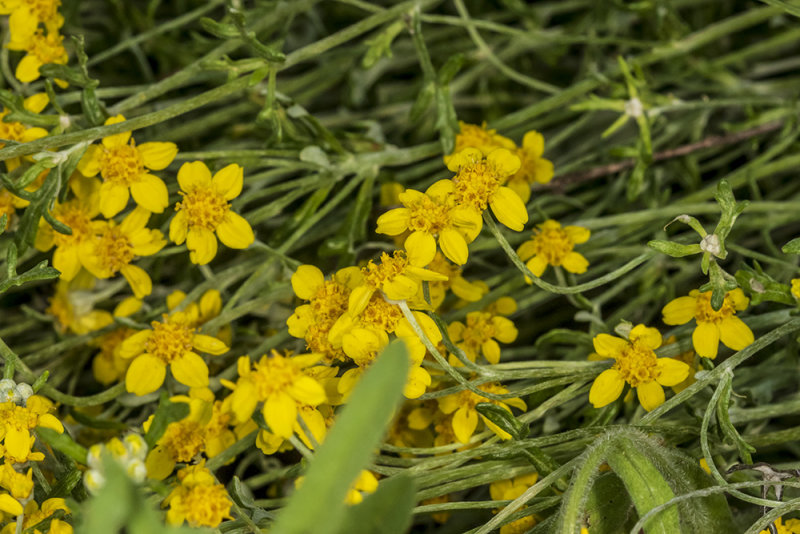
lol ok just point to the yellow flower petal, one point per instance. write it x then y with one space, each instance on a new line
650 336
193 174
465 157
116 140
280 413
705 339
28 69
453 246
651 395
138 279
159 463
244 400
393 222
17 442
36 103
113 199
209 344
533 143
202 245
464 423
421 248
468 221
400 287
150 192
491 351
606 388
308 391
734 334
509 209
417 382
740 301
190 370
135 344
537 265
67 260
671 372
157 156
145 375
577 234
235 232
10 505
306 281
608 345
679 311
359 298
505 161
574 262
229 181
178 228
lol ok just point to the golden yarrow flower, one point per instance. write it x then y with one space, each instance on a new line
41 49
553 245
125 167
395 276
533 167
433 216
635 363
17 131
713 326
33 515
478 137
480 333
466 417
198 500
205 210
17 421
281 384
172 343
115 246
26 15
77 213
479 183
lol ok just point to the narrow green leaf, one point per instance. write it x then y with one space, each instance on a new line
64 443
503 419
676 250
318 505
792 247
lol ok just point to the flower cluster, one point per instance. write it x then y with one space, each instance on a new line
34 29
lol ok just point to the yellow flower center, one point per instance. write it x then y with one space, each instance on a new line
17 417
637 364
479 329
169 340
330 302
273 375
381 314
426 215
13 131
184 440
122 165
375 274
204 207
203 505
553 244
476 183
114 249
47 48
704 313
73 215
44 10
472 135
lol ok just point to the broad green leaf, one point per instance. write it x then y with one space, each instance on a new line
318 505
608 508
646 486
387 511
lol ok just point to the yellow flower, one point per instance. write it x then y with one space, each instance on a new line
430 216
395 276
198 500
16 131
460 286
205 429
479 137
365 483
552 245
33 515
478 184
327 302
26 15
77 214
480 335
171 342
712 326
465 416
795 285
41 49
73 306
508 490
637 364
115 246
108 366
789 526
533 169
205 209
18 416
281 383
690 359
124 168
